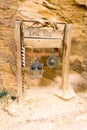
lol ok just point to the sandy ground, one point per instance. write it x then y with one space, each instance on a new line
42 109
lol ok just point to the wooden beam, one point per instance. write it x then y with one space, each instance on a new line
66 56
44 33
19 67
42 43
43 21
40 54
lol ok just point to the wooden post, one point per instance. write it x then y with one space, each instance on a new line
19 67
66 57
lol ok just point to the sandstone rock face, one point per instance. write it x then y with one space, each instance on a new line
81 2
71 11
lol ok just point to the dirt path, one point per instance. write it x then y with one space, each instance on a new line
42 109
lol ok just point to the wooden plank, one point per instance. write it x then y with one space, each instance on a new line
43 43
66 56
19 68
43 32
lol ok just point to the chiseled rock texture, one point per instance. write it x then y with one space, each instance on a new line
71 11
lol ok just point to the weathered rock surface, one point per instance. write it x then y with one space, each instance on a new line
81 2
72 11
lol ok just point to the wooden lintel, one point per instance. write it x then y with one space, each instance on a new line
43 21
43 33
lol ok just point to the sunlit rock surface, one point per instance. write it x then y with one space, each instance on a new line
71 11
